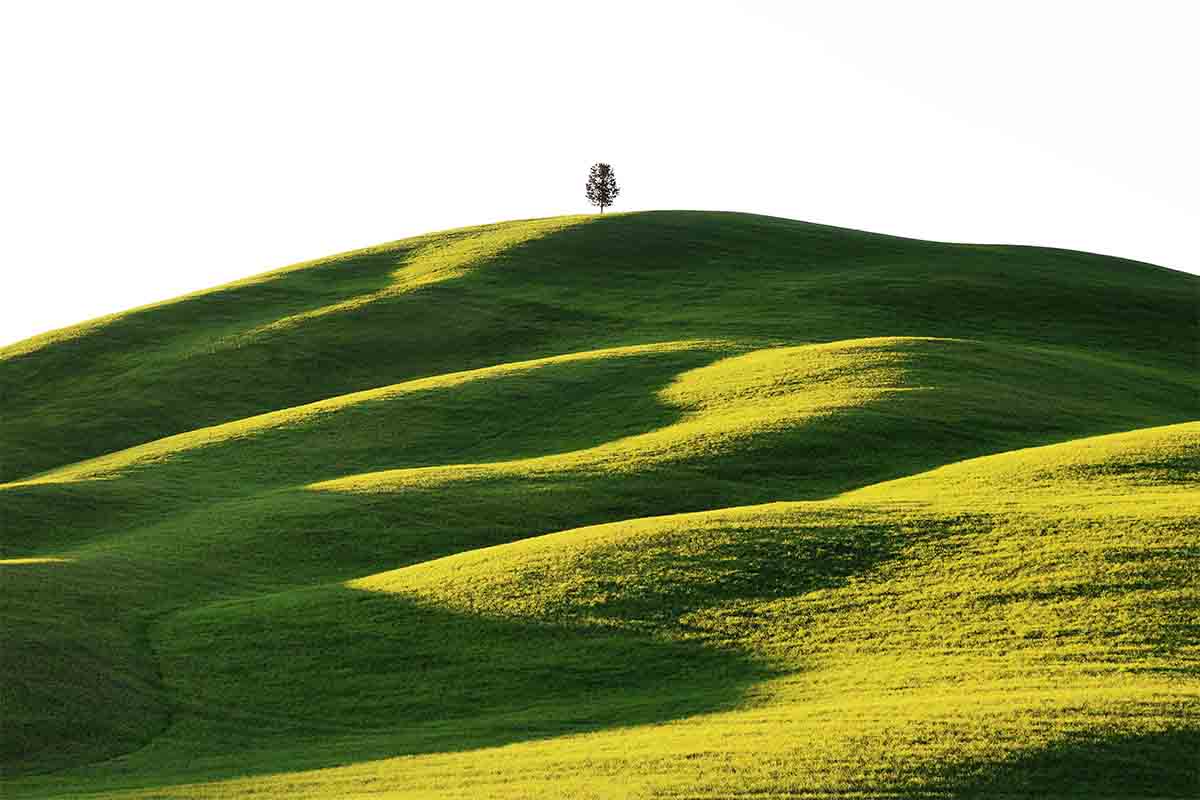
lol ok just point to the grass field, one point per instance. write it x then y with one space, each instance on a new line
679 504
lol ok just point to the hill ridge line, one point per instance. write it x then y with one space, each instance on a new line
832 501
384 392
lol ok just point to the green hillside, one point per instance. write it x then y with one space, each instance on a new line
679 504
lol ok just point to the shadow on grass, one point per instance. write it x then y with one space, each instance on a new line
1157 765
120 349
80 679
546 409
331 676
689 270
46 518
328 676
193 362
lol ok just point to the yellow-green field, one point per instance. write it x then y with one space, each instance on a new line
678 504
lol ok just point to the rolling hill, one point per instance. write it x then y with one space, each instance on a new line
680 504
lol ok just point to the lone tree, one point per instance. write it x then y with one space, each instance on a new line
602 186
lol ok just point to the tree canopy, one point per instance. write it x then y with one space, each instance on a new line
602 187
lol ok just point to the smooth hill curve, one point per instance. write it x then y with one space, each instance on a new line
933 543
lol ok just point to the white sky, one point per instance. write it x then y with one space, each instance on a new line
151 149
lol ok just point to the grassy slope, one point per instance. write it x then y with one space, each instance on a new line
197 490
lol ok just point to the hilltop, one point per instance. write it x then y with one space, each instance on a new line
666 503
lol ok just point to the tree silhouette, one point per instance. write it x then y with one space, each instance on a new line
602 186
